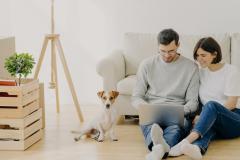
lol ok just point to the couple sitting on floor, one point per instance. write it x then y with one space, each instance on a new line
168 77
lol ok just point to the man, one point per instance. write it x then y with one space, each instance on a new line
167 77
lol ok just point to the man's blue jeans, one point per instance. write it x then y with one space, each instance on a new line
216 122
172 134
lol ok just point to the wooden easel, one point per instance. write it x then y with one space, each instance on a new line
55 43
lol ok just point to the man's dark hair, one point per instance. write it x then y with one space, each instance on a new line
166 36
210 45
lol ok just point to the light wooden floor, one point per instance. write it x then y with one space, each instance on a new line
58 143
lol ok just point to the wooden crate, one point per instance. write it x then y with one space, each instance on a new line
42 103
19 134
20 115
19 101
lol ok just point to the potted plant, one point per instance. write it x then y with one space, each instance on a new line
19 65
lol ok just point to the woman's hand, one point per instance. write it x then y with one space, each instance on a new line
195 120
231 102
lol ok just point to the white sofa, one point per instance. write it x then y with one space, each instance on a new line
7 48
118 70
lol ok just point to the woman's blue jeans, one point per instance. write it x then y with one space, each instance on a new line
216 122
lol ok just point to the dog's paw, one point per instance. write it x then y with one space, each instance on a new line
100 140
77 139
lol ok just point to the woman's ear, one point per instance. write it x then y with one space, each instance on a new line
214 54
178 44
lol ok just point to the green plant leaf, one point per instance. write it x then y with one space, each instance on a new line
19 64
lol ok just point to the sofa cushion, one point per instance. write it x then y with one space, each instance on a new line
125 86
139 46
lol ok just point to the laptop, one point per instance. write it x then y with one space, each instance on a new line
163 114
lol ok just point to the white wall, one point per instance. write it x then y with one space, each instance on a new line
91 29
5 18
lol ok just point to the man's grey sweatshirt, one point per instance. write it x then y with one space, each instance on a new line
172 83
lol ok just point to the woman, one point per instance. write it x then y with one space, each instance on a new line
219 91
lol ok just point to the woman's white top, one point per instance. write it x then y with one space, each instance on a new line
218 85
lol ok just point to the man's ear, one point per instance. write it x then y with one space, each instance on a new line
100 94
115 93
178 44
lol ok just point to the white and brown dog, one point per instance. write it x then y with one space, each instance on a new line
104 122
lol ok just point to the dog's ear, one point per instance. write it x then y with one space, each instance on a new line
100 94
115 93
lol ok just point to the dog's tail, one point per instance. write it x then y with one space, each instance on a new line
76 132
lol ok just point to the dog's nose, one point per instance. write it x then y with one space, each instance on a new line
107 106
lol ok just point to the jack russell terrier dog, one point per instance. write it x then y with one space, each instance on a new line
104 122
